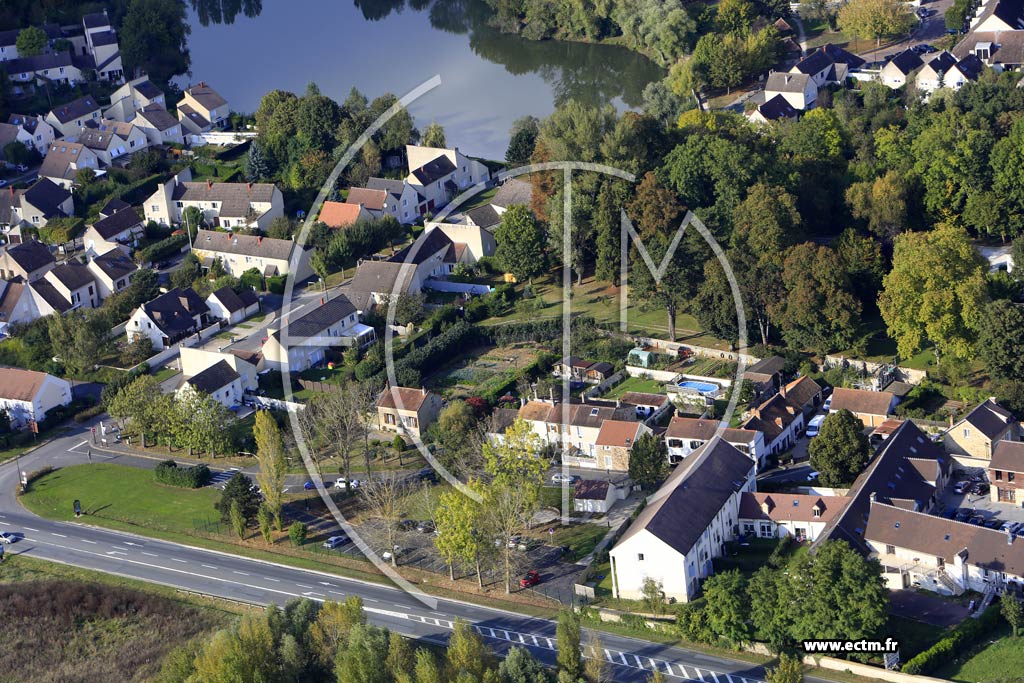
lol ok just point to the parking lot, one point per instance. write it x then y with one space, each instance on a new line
982 504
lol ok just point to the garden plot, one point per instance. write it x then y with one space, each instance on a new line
483 370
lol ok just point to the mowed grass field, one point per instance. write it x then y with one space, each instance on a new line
126 496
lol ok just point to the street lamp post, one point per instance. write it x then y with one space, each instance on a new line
21 475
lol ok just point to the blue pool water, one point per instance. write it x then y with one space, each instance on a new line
700 387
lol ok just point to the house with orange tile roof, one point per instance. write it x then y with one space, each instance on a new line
407 411
614 444
776 515
338 215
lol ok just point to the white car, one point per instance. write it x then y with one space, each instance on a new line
6 537
814 426
563 479
335 541
812 476
345 485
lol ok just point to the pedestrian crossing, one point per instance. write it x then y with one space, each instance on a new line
627 659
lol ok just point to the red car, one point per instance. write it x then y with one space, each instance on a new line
531 578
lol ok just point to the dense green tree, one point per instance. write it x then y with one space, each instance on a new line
607 224
1013 611
361 658
256 165
819 310
735 16
467 655
569 639
522 139
768 607
727 608
875 18
934 293
1001 338
433 136
789 670
520 243
881 203
31 41
648 461
153 38
238 489
519 666
841 449
270 455
316 120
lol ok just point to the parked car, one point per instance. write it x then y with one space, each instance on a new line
814 426
335 541
961 487
310 485
992 524
813 475
426 527
827 405
564 479
980 489
346 484
427 474
7 537
963 514
388 554
531 578
22 168
407 525
977 520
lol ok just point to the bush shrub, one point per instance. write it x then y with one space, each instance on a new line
89 413
966 634
275 284
162 249
194 477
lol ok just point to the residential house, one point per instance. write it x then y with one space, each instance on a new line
68 119
202 109
648 407
432 254
572 427
233 307
401 201
828 65
28 396
75 284
485 217
303 343
42 202
798 90
111 140
406 272
513 192
1001 15
438 175
687 434
169 318
943 555
9 40
909 470
1001 50
407 411
779 421
9 133
239 253
113 271
870 407
596 496
573 368
1006 473
101 51
943 70
339 215
613 446
28 261
776 515
224 205
471 242
765 375
897 70
196 360
220 381
133 96
775 109
685 526
975 435
38 129
803 393
371 203
65 159
159 127
16 304
59 68
121 230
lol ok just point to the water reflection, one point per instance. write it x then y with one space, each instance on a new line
225 11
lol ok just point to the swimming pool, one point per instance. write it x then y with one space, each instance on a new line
699 387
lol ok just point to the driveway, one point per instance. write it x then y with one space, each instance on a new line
926 608
927 31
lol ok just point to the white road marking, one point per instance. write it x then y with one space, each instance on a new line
174 559
116 552
370 600
337 593
150 554
28 528
714 675
654 666
699 675
608 656
130 543
270 579
242 573
638 664
683 669
623 658
208 566
325 583
302 585
86 540
5 523
310 593
78 444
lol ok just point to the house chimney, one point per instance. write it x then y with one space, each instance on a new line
209 184
782 391
423 390
321 301
259 240
873 497
551 394
1009 537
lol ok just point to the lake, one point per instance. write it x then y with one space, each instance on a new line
488 78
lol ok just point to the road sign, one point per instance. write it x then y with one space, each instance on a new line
892 659
78 508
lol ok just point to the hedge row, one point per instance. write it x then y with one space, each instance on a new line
193 477
439 350
89 413
534 330
960 639
532 371
162 249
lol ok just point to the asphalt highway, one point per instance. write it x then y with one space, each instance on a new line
258 582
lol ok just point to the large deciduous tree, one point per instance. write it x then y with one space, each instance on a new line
841 450
520 243
875 19
153 38
1001 338
270 455
727 608
934 293
31 41
648 461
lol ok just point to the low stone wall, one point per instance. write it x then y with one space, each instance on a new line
672 348
659 375
868 671
909 375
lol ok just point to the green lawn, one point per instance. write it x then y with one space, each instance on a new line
127 496
647 386
581 539
999 658
914 636
165 373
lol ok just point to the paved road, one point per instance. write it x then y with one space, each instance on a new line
929 30
238 578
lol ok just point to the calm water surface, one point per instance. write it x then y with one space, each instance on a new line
244 48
